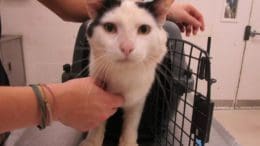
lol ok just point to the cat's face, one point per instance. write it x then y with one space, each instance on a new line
128 32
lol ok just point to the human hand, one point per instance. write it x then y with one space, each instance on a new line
83 105
187 17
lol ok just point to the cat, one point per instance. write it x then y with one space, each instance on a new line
127 42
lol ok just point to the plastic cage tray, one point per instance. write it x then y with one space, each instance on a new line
178 109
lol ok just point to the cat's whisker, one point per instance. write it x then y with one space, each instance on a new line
81 72
106 72
163 70
99 66
99 70
87 67
164 92
167 80
166 68
159 70
88 92
152 58
160 84
102 71
100 58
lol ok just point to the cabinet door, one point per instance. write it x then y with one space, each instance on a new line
12 59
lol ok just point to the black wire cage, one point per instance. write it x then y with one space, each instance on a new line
186 110
178 109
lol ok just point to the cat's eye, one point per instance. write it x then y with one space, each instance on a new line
144 29
110 27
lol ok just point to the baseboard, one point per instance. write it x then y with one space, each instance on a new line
248 103
239 103
223 103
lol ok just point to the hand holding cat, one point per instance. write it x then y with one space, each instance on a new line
83 105
187 17
78 103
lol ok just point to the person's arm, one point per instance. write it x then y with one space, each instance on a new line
188 18
18 108
68 10
78 103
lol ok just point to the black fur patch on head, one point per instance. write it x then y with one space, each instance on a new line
106 6
149 6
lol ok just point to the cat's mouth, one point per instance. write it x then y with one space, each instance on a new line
125 60
131 59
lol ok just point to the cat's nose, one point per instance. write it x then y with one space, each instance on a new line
126 48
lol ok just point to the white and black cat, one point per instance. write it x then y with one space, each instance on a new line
127 42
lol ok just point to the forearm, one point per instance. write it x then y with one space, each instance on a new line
78 103
18 108
68 10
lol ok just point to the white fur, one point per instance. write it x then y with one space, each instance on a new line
133 77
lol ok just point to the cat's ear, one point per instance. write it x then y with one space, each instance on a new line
99 7
159 8
93 6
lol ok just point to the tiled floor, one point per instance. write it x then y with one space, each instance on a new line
243 125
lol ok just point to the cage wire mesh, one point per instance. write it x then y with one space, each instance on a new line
178 109
186 111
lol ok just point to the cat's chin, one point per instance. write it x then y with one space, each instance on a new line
126 61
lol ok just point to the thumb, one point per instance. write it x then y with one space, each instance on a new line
117 101
113 100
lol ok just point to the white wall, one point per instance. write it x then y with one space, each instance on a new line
47 40
227 44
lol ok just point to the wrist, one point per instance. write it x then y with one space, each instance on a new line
175 13
54 94
170 14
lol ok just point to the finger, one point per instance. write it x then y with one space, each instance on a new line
202 28
108 113
198 16
112 112
181 27
195 30
201 20
192 21
188 30
117 101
